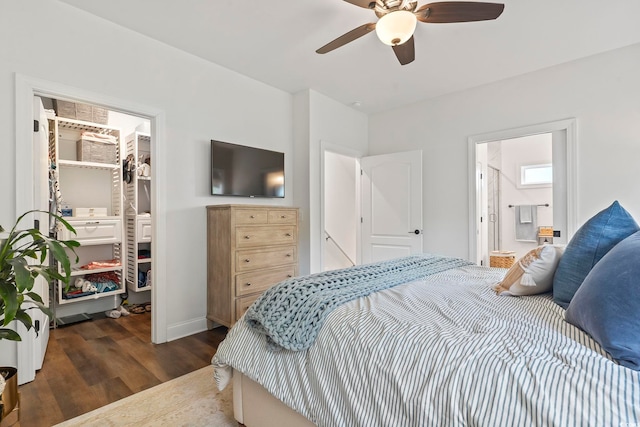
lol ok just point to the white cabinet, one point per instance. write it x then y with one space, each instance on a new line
88 164
137 191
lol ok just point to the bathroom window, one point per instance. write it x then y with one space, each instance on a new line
536 175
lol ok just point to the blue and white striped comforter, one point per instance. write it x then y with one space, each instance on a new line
442 351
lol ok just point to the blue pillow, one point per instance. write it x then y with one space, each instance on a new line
607 305
590 243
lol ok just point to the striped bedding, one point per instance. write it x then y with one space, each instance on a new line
445 351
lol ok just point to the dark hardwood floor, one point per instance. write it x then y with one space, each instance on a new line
94 363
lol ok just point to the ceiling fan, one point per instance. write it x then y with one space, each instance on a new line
398 18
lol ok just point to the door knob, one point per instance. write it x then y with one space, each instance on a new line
416 231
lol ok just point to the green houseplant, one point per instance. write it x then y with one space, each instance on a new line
23 257
17 275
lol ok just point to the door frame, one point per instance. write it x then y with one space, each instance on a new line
570 127
338 149
26 88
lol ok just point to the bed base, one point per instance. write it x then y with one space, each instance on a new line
254 406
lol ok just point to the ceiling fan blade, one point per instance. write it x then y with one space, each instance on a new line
405 52
367 4
458 11
348 37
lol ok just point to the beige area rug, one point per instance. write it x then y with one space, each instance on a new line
190 400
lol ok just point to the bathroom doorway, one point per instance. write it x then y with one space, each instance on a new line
518 204
523 176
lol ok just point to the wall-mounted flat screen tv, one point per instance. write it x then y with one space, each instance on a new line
238 170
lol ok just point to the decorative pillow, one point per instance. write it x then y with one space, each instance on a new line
607 305
591 242
533 273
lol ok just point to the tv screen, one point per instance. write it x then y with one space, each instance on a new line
238 170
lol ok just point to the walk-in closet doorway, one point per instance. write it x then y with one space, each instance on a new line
99 168
28 174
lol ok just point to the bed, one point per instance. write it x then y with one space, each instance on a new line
442 348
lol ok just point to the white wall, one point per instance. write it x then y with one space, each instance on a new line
318 118
600 91
52 41
534 149
340 210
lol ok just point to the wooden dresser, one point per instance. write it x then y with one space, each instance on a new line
249 249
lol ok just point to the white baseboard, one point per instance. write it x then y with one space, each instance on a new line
184 329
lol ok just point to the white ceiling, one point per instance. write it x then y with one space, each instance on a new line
275 41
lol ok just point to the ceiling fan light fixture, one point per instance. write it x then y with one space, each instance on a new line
396 27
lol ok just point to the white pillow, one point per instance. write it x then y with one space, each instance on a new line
533 273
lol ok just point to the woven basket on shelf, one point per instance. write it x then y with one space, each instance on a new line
502 259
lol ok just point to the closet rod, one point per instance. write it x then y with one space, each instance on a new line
546 205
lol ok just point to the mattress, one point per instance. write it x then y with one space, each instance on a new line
443 350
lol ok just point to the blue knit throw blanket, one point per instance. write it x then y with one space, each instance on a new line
291 313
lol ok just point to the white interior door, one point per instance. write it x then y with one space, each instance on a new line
391 186
41 202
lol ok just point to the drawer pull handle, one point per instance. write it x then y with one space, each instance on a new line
252 216
247 284
247 237
289 275
283 216
92 222
247 260
288 255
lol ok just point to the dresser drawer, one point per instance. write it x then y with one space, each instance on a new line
250 216
283 216
243 304
258 281
94 232
252 259
247 236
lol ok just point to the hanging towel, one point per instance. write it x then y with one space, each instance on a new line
527 231
525 213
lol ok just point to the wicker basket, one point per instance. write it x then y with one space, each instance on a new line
75 110
502 259
96 150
